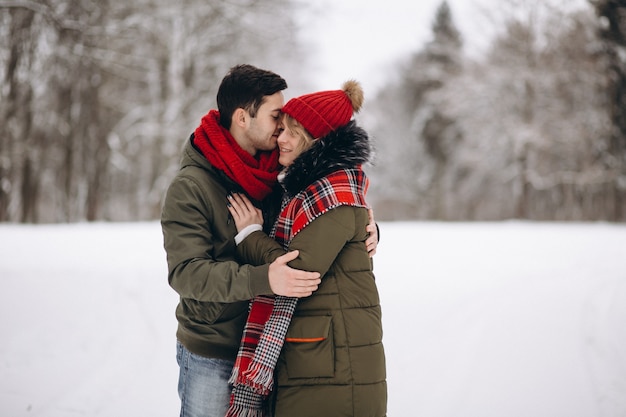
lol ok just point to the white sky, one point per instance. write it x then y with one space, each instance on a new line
363 38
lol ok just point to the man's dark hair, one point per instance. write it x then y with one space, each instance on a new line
246 86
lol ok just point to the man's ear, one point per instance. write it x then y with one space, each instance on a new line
240 117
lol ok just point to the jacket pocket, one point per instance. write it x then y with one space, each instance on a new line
308 349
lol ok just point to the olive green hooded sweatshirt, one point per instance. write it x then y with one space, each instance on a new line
198 234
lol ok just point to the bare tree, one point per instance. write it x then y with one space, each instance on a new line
97 97
612 32
16 113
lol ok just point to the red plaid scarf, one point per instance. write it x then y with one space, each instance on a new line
256 175
270 316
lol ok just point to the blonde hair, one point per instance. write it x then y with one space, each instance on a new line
306 140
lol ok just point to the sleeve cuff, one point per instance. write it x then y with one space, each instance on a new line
246 232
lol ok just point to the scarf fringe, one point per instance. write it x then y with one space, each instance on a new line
234 376
241 411
260 378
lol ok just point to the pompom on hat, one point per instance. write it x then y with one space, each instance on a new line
325 111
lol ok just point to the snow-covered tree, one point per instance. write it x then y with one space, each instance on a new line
97 97
413 137
522 132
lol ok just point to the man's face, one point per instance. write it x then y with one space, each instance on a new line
262 130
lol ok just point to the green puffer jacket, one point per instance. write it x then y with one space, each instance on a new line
199 241
332 363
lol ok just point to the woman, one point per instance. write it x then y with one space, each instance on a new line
321 355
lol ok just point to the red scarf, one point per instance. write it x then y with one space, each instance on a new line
256 176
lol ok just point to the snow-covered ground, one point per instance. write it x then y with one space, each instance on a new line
506 319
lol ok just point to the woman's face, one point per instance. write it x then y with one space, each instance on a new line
290 145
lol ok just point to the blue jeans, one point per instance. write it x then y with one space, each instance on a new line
202 384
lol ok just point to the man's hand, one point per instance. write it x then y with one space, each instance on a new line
372 241
290 282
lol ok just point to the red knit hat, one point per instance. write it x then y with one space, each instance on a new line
322 112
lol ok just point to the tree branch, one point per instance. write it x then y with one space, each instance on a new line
43 10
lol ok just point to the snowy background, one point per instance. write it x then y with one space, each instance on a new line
366 39
481 320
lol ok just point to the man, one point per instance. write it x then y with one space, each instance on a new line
233 150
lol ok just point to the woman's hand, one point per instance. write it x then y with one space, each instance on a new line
243 211
372 241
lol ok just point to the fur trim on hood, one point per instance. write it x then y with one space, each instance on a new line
346 147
